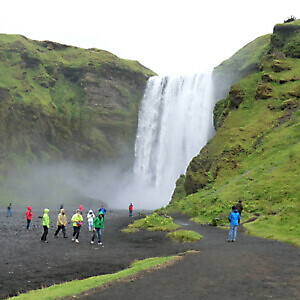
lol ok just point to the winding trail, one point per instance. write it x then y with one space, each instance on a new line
251 268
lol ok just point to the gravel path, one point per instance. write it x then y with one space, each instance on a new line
251 268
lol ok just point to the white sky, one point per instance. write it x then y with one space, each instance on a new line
167 36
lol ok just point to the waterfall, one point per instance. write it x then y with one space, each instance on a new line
175 122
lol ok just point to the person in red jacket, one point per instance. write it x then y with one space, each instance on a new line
130 209
29 215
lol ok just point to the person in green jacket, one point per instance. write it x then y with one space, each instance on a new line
45 225
98 226
77 220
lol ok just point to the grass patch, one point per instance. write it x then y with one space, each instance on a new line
155 222
76 287
184 236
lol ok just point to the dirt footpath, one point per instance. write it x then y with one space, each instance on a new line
27 263
251 268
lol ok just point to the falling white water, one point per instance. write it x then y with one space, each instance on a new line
175 122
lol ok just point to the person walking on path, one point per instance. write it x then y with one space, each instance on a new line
90 217
102 210
9 212
46 222
98 226
239 207
29 215
80 209
234 219
130 209
61 223
77 220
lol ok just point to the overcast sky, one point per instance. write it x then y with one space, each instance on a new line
167 36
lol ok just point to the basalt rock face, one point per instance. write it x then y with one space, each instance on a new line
62 102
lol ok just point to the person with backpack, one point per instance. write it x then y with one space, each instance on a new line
90 217
61 223
98 226
29 215
234 219
77 220
46 222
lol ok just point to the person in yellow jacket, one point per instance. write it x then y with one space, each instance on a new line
61 223
45 225
77 220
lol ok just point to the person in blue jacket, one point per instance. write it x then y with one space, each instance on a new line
234 219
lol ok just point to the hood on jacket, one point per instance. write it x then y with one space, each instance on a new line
91 211
29 207
46 210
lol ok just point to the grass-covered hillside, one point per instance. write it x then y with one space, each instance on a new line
255 153
59 102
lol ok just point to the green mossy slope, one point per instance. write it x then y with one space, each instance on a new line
62 101
255 153
59 102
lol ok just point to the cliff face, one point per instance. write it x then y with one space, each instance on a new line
254 155
62 102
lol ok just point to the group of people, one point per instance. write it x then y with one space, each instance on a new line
95 222
234 219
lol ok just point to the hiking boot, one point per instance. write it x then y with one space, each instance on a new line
73 239
99 243
233 240
76 241
92 242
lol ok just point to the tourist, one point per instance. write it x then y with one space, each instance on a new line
130 209
29 215
9 212
239 207
46 222
77 220
103 211
61 223
90 217
234 219
80 209
98 226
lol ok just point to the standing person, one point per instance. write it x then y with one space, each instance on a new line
61 223
80 209
90 217
29 215
240 207
130 209
9 212
98 226
46 222
234 219
103 211
77 220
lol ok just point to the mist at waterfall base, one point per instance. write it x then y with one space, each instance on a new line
174 123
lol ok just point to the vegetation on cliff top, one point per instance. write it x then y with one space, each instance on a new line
254 155
59 102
